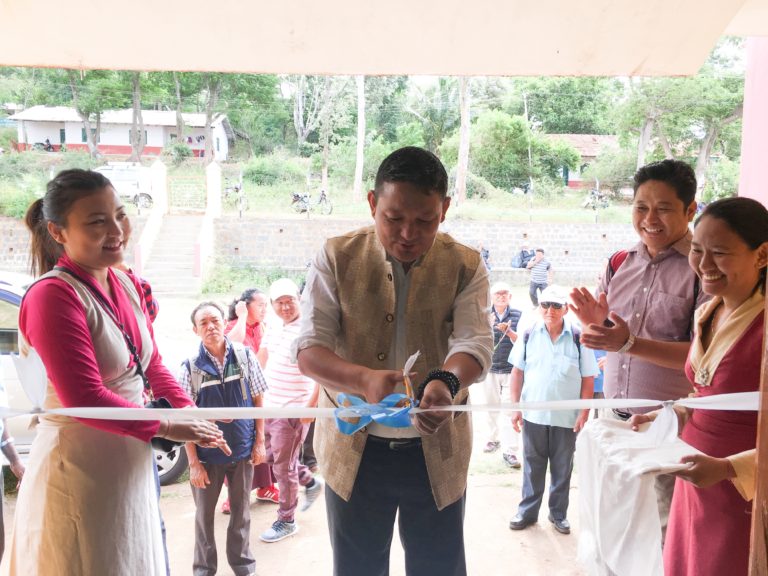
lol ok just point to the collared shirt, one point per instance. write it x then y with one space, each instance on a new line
256 382
321 311
655 296
552 371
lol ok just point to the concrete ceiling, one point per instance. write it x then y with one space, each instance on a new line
442 37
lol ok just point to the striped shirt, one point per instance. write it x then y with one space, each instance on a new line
539 271
287 385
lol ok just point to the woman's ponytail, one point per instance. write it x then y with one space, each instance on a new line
44 250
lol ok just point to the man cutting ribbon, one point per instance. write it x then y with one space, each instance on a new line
373 296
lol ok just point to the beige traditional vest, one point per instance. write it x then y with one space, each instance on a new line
366 295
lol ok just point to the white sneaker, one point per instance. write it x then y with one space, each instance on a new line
312 493
279 530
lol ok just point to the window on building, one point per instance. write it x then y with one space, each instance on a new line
84 138
62 135
130 136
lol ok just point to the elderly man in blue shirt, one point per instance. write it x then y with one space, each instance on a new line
550 363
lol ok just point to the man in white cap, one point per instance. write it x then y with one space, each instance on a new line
288 387
496 385
550 363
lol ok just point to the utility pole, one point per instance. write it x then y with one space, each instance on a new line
530 161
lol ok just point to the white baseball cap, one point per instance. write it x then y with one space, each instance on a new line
500 287
283 287
553 294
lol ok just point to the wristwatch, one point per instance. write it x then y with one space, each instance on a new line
627 345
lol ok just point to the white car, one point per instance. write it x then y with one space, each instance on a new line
131 180
170 465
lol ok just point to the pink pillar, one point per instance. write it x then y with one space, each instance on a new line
753 181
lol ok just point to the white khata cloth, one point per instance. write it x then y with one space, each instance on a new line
620 529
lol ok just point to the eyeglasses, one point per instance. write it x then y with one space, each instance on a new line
554 305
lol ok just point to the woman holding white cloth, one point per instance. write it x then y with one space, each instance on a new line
710 520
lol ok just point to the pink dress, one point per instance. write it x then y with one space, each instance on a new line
709 528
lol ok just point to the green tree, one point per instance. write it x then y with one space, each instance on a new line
436 108
566 105
93 92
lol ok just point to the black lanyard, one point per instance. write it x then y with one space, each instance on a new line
107 307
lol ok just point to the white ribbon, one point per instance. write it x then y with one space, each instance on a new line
739 401
34 380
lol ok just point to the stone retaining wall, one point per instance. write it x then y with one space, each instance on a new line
14 243
577 251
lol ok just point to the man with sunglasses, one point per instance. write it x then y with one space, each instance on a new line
550 363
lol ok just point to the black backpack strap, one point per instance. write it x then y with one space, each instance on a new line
577 340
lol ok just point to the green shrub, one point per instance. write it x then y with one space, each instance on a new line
722 180
275 169
7 138
477 186
76 159
14 166
177 152
228 277
15 201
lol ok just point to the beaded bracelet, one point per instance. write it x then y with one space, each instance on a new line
448 378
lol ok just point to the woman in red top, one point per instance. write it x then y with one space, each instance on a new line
88 503
709 522
246 325
246 318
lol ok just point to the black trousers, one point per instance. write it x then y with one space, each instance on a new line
393 480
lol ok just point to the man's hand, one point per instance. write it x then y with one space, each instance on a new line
381 383
436 393
198 476
259 452
517 420
581 420
599 337
241 309
706 470
587 309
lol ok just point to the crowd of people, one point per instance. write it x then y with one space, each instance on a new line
678 314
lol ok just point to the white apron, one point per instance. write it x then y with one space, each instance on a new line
88 503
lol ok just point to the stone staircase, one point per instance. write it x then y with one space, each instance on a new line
171 262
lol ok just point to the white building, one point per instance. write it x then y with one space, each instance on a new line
62 126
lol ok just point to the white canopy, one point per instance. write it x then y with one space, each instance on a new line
444 37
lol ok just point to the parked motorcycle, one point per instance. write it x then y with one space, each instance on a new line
234 197
303 203
596 199
43 146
